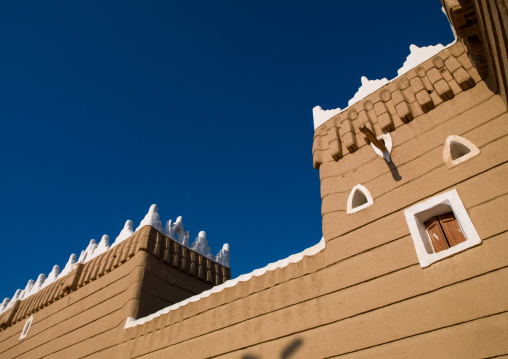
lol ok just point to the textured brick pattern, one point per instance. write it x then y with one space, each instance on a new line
409 97
153 242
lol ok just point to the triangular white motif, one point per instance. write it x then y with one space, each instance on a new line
152 219
359 198
457 150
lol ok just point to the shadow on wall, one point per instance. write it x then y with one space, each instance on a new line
287 353
394 170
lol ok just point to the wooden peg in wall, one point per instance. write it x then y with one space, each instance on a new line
372 137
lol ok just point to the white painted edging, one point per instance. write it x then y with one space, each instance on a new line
388 144
26 327
366 193
447 154
131 322
417 55
421 212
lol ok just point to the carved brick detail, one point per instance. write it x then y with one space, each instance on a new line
348 135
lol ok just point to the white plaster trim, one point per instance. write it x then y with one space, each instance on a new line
440 204
321 116
26 327
366 193
447 155
131 322
388 144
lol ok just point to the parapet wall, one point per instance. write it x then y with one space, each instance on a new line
139 276
401 101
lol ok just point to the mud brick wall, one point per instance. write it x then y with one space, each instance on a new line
85 312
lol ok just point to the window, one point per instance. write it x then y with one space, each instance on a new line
28 323
444 231
457 150
440 227
359 198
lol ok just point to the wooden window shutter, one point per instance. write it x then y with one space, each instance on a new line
451 229
436 234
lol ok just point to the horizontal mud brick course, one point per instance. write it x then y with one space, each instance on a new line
77 322
412 164
429 184
406 284
409 318
248 305
482 338
397 103
479 108
80 316
260 331
394 226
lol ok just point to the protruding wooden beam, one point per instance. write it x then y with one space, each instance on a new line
372 137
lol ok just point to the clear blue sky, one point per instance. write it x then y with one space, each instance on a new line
202 107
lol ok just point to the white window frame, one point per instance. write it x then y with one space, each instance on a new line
417 215
366 193
447 156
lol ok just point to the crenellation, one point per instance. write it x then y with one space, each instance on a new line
420 71
385 95
443 90
364 282
384 117
334 143
424 101
348 135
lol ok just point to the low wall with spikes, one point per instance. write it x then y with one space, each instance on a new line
146 239
93 250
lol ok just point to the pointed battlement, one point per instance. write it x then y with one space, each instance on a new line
196 260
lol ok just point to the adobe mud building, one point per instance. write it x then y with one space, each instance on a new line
413 264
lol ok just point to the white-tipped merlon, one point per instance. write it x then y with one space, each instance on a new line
87 254
4 304
223 256
127 231
52 276
176 229
321 116
17 295
27 289
152 219
417 55
69 266
367 87
100 248
103 244
37 285
201 246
